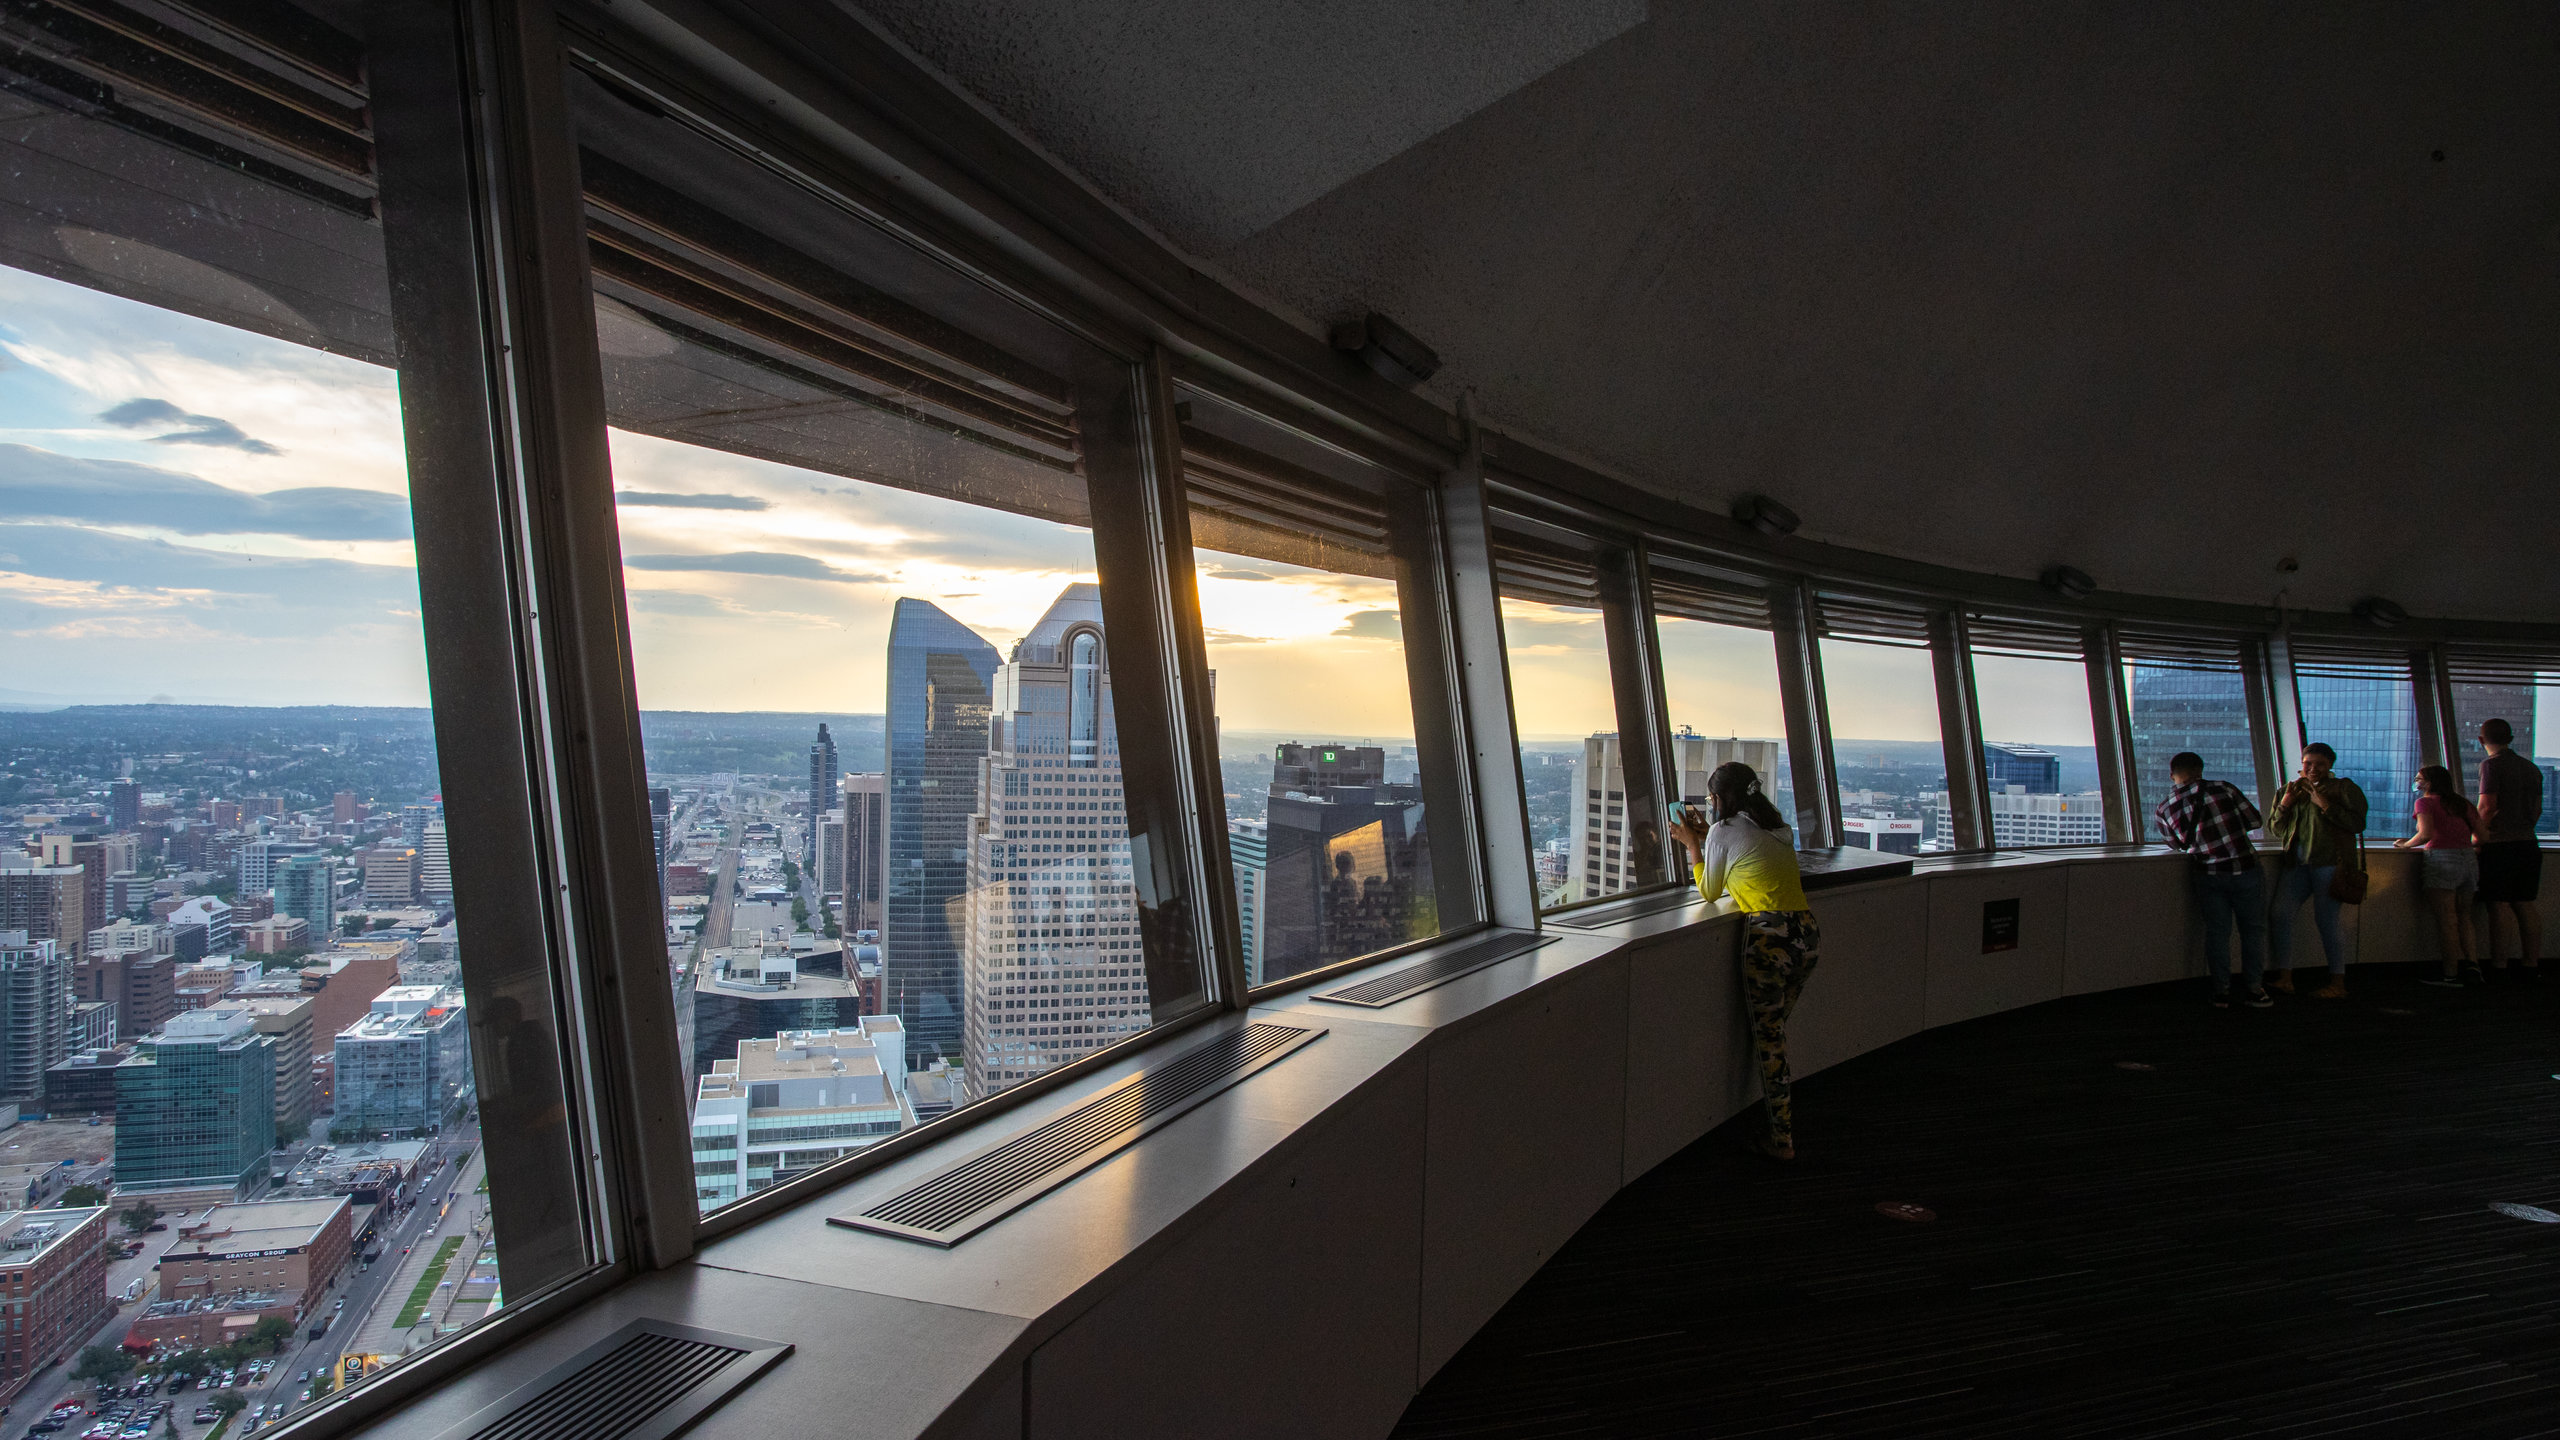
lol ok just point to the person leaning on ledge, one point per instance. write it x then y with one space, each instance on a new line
2211 821
2319 821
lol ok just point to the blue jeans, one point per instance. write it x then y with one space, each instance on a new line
2310 881
2224 899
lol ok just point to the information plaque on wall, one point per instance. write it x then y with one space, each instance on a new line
1999 926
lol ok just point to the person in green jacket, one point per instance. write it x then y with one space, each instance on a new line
2319 820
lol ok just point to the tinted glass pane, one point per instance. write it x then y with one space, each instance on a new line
1720 684
1308 592
2176 709
227 908
2533 713
1566 711
2039 757
1883 701
873 660
2369 716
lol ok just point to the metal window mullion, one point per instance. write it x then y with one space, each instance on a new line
1161 696
2439 728
2282 736
550 390
1960 729
2119 779
1807 711
1492 740
1635 680
1434 679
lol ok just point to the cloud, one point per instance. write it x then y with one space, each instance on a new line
1372 625
1232 637
755 562
1224 572
42 485
690 502
194 429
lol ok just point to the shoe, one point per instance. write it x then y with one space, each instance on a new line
2334 990
2471 975
2259 1000
2283 983
2443 982
2221 999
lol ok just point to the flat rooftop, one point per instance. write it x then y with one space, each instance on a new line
257 1225
26 1235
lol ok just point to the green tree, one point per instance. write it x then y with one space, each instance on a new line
229 1403
799 912
270 1332
140 1217
82 1196
103 1363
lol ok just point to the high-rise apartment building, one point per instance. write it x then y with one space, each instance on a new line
865 801
35 1015
414 820
1053 968
2020 819
49 902
1604 847
196 1105
287 1020
90 854
258 860
134 967
124 805
435 866
661 816
1249 857
2033 769
828 874
343 807
822 791
796 1101
939 677
1347 858
306 888
209 918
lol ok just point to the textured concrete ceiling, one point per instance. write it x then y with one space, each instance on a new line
2167 292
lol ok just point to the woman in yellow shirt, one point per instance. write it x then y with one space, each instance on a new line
1747 852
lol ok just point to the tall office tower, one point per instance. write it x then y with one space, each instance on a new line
390 876
414 820
196 1107
822 790
124 804
866 859
1349 858
661 815
795 1101
1249 856
258 860
35 1015
2206 711
343 807
1600 861
90 854
2474 702
435 867
829 873
1054 970
939 673
2035 770
2371 721
306 889
49 902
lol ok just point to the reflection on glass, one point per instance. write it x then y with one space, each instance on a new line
2368 714
226 868
1883 701
1566 711
873 667
2531 710
2178 708
2039 755
1720 683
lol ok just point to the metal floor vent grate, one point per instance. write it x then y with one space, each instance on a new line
1413 979
953 1204
647 1381
1600 917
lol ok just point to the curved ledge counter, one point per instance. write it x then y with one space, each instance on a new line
1298 1254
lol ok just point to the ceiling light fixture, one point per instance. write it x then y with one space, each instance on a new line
2069 583
1765 515
1387 348
2379 613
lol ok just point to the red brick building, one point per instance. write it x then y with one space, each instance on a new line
53 1278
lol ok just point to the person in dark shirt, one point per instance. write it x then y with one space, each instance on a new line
2510 856
2211 821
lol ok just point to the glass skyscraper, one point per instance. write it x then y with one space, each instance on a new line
822 791
2031 768
2178 708
941 675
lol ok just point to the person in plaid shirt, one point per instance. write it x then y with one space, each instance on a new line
2211 821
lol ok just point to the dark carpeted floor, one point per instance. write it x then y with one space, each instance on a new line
2281 1228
